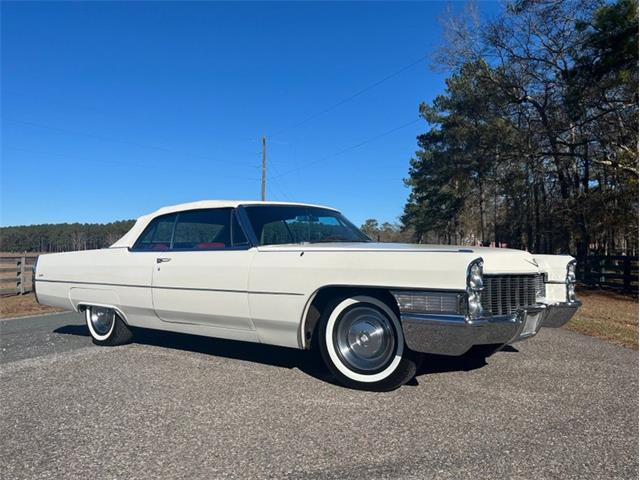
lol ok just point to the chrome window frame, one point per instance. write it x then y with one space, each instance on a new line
233 212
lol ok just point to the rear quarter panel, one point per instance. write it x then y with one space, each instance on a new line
110 277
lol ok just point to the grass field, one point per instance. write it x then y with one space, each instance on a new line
22 305
607 315
610 316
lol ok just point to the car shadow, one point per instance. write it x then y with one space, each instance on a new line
308 362
434 364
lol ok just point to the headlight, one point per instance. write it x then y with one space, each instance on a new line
571 272
475 285
541 287
571 281
475 276
475 304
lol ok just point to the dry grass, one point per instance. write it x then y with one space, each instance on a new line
22 305
609 316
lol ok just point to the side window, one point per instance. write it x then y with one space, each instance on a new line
327 229
238 238
203 230
157 236
277 232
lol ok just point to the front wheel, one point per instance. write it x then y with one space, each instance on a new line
362 344
106 327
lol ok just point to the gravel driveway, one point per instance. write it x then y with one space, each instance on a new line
561 405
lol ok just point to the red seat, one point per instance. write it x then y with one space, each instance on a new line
160 247
209 245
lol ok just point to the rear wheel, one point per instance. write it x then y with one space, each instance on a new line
362 344
106 327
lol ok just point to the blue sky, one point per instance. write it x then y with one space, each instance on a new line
112 110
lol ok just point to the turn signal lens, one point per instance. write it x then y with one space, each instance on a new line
423 302
474 278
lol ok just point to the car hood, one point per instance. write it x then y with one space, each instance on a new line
496 260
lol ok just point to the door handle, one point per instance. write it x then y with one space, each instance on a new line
162 260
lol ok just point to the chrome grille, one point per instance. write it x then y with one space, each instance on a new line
504 294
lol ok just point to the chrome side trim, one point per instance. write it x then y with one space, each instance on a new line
302 337
298 247
245 224
170 288
435 319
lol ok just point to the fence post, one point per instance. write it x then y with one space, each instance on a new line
627 273
21 264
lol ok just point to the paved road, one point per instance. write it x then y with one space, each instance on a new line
178 406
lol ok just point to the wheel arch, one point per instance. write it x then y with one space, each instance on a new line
83 306
320 299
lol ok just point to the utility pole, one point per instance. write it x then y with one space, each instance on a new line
264 168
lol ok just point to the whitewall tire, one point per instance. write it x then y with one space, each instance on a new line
106 326
362 344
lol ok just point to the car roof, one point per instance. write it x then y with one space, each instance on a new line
132 235
225 204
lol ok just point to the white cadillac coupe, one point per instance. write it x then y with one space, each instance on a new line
303 276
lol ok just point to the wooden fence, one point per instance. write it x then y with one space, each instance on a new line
16 274
613 271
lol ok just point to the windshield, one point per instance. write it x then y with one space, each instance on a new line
280 224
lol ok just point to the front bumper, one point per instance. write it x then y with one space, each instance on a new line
455 334
561 313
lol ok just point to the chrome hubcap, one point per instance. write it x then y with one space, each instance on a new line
102 319
365 339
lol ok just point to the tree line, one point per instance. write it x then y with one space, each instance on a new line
534 143
62 237
387 232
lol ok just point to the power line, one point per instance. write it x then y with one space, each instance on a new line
128 163
114 140
349 148
279 184
333 107
350 97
